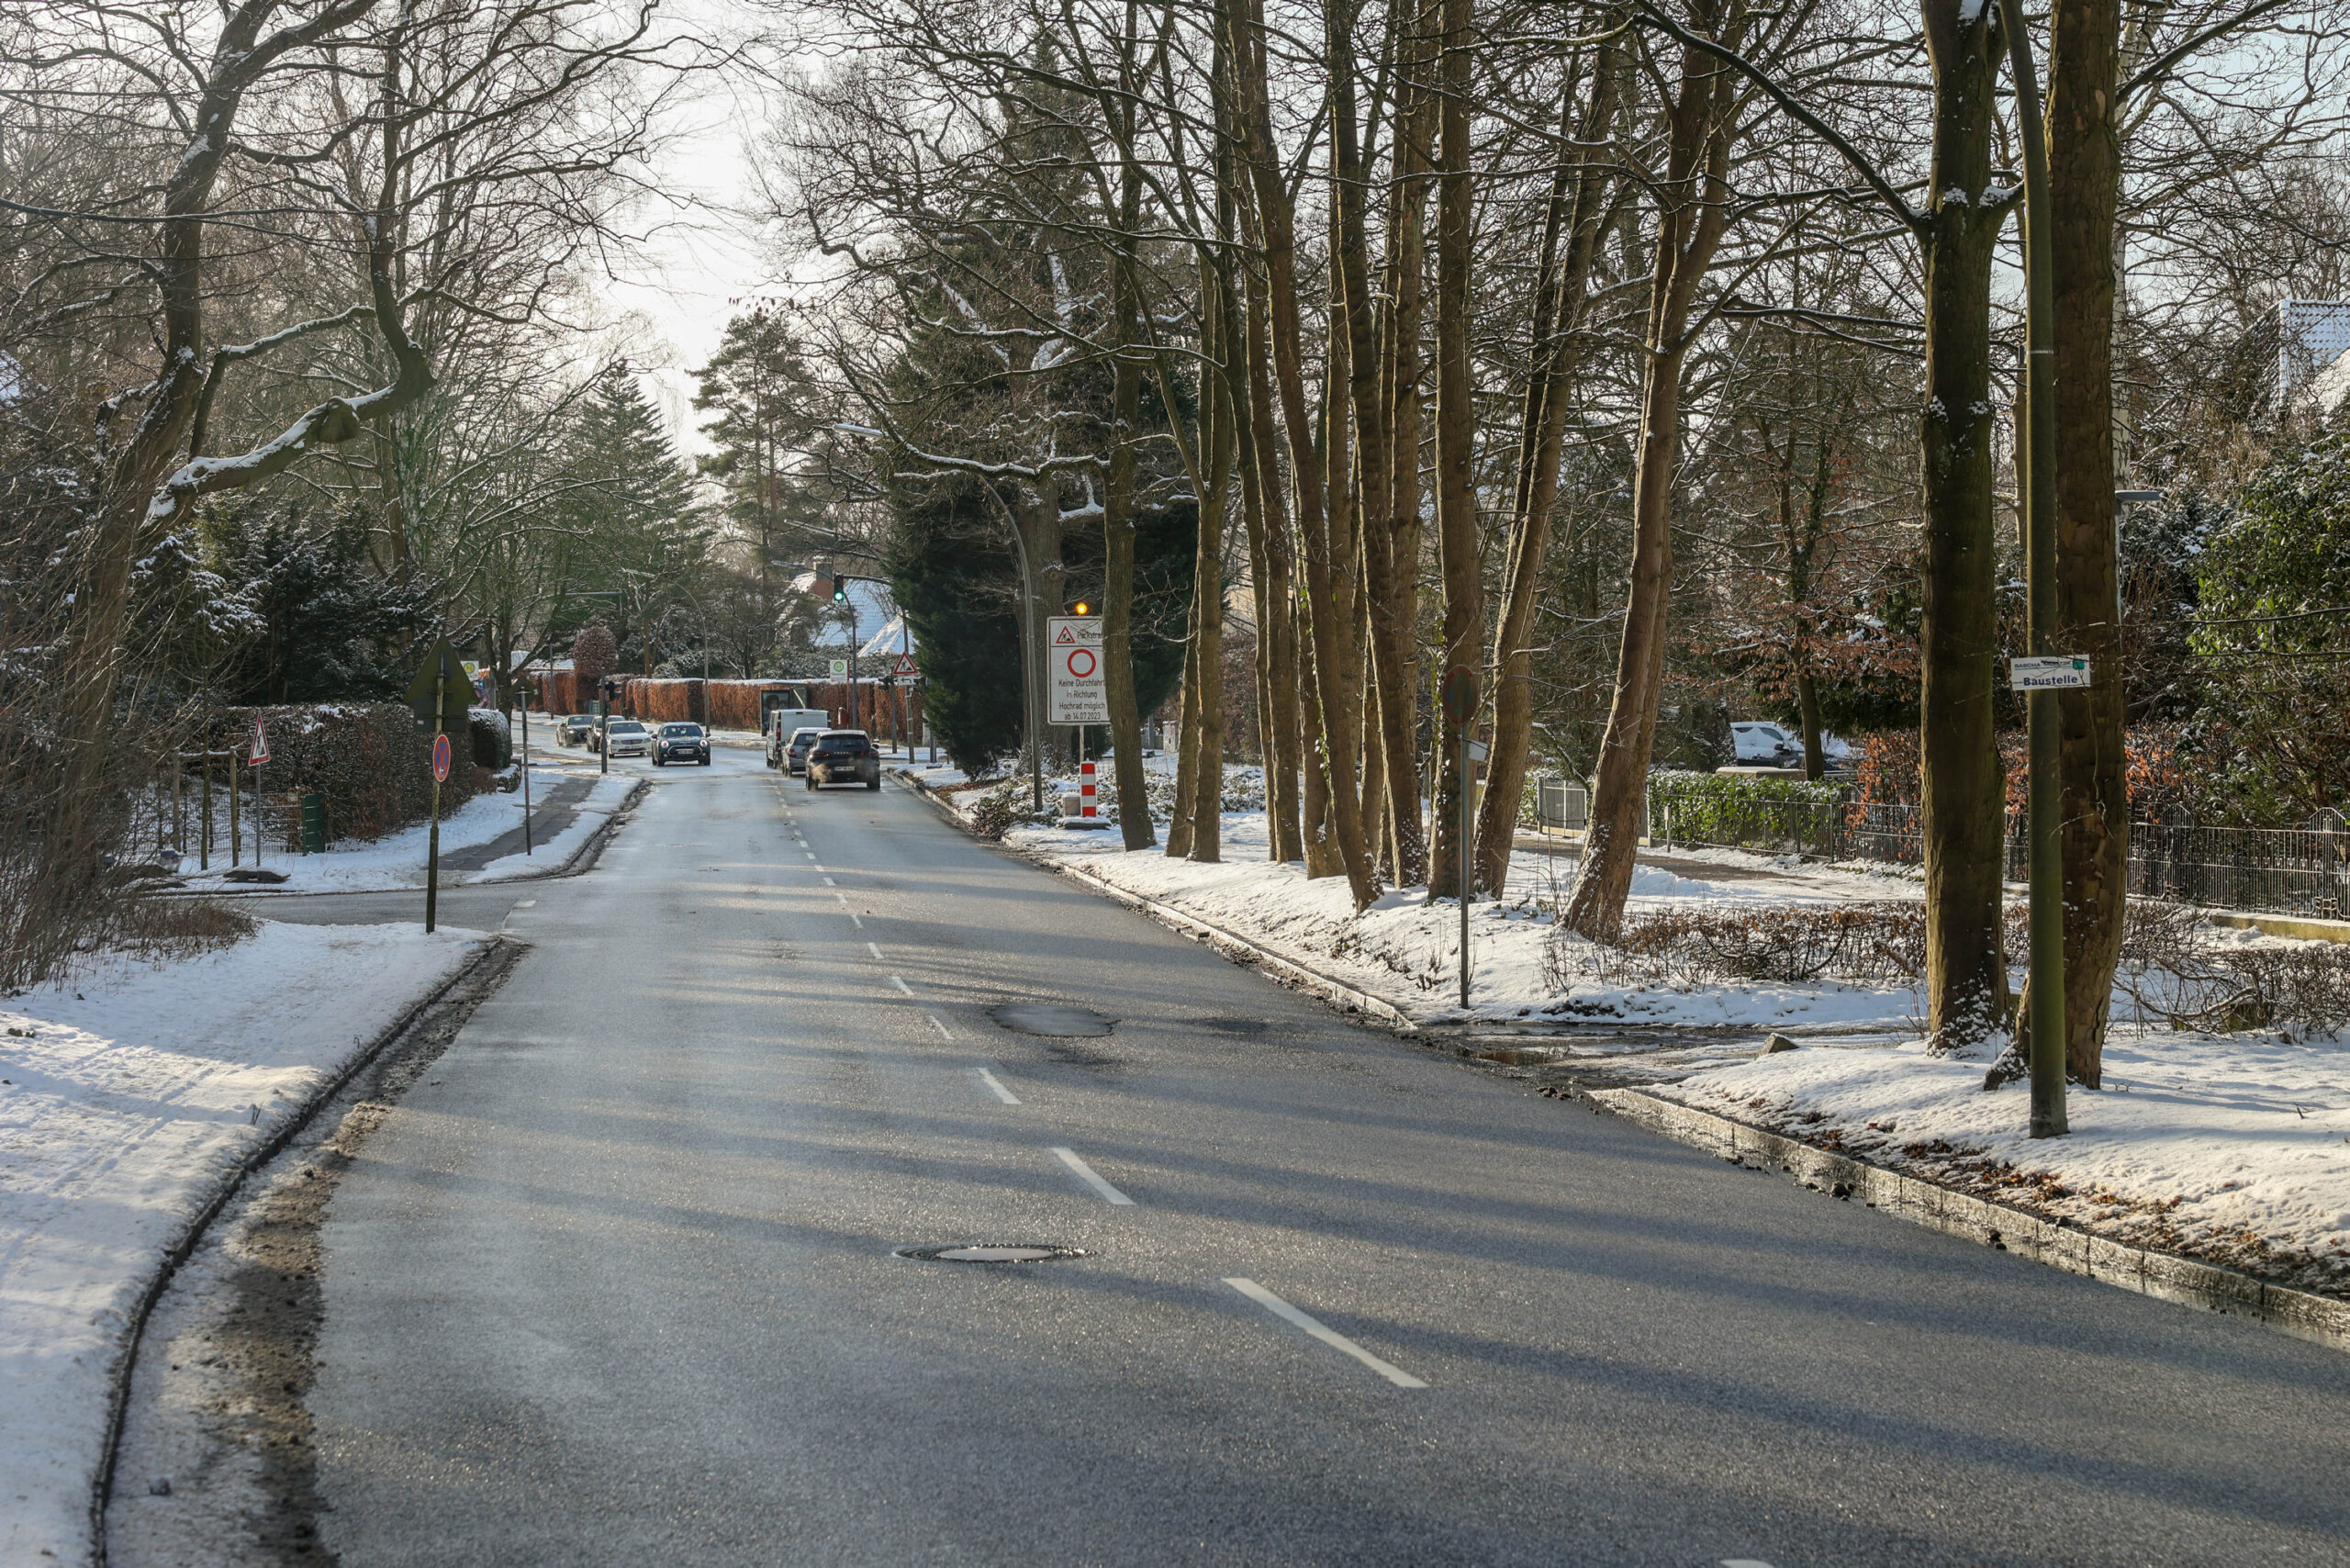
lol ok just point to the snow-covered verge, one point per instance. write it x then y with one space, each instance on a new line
396 859
1407 947
2233 1149
126 1094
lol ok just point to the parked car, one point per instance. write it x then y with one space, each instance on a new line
1761 743
681 743
626 737
795 751
844 756
575 730
782 723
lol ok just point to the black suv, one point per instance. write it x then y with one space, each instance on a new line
844 756
681 743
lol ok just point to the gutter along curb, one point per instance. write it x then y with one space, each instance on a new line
1233 946
1920 1202
490 953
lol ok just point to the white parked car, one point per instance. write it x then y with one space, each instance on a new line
1761 743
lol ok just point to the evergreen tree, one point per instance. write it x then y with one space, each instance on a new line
319 623
771 438
643 537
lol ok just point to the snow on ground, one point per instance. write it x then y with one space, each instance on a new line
2234 1147
125 1095
396 859
1407 947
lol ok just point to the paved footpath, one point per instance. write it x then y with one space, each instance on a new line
618 1284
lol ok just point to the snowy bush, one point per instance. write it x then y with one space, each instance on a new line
1740 809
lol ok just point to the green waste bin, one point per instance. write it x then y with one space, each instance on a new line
314 822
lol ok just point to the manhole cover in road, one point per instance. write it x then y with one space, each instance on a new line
1051 1019
991 1252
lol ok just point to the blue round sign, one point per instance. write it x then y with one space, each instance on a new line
440 760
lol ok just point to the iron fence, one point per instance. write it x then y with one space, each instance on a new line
2303 872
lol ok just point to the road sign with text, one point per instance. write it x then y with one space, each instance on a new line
2049 673
1074 689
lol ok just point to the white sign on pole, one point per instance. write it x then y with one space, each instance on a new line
840 669
2048 673
1076 692
260 753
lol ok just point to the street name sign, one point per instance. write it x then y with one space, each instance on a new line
2051 672
1076 691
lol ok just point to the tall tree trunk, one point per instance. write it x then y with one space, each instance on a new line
1392 771
1328 571
1200 798
1118 499
1692 213
2083 179
1578 203
1456 420
1962 819
1280 665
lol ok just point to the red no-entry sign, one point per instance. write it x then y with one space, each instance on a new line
440 760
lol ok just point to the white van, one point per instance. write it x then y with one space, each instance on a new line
782 722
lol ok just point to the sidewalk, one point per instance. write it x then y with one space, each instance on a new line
127 1095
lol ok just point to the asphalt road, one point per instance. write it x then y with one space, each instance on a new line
618 1284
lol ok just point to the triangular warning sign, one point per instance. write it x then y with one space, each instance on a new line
1068 634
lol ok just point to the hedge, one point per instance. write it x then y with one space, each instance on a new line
1738 807
369 760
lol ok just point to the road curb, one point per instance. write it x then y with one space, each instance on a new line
232 1182
1240 949
2162 1274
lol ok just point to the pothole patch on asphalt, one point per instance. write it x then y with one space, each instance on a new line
991 1252
1051 1020
1233 1025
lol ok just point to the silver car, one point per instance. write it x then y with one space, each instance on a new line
626 737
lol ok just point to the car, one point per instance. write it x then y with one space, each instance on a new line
782 723
681 743
575 730
1761 743
795 750
844 756
626 737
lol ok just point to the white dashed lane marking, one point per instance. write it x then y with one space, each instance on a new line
1324 1333
1086 1174
995 1085
901 985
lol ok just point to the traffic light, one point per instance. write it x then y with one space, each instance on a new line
840 590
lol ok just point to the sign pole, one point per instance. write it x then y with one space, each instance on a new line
2037 491
1459 703
432 850
526 767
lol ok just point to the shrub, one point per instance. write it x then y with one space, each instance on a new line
1878 941
369 760
1736 808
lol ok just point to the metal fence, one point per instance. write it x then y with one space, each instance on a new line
2303 872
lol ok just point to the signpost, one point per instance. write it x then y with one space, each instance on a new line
1460 707
1077 690
437 697
2052 672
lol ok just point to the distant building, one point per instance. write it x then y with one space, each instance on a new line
2298 354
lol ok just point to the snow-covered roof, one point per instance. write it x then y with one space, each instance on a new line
874 610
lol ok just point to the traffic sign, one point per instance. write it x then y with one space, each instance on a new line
1459 694
840 669
445 672
440 760
2048 672
905 664
260 753
1077 692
